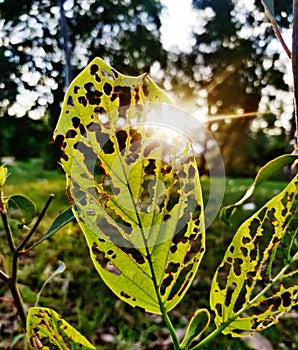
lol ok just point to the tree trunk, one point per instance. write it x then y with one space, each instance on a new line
66 44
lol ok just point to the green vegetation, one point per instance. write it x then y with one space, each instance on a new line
82 297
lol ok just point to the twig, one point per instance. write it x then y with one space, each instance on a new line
30 234
295 63
8 232
4 276
278 33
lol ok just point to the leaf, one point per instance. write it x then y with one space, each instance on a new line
269 8
59 270
21 208
60 221
266 172
197 325
3 175
47 330
257 280
136 195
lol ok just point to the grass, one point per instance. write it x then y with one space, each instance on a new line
83 299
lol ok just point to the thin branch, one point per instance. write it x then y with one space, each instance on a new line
4 276
8 232
281 39
295 63
278 33
30 234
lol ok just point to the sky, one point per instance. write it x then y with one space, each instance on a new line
177 21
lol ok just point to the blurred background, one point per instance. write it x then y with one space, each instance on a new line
218 59
215 57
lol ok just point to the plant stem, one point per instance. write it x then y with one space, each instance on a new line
12 281
8 232
244 308
30 234
4 276
18 301
295 63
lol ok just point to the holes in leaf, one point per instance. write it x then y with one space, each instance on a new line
124 95
237 266
286 299
150 168
107 88
223 273
121 136
71 134
125 295
94 69
165 284
191 172
229 294
89 156
244 251
108 147
93 95
135 254
76 122
99 256
172 267
218 308
245 240
181 282
70 101
83 100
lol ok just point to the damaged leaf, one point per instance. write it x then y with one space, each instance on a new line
257 280
136 196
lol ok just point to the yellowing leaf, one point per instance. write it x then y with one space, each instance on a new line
135 190
48 331
257 280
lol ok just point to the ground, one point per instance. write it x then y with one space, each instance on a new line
83 299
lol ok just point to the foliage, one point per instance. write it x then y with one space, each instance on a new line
43 323
144 227
140 207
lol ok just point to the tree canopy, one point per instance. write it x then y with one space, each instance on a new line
234 63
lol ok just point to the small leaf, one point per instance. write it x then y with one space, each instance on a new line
59 270
197 325
257 280
269 8
60 221
3 175
266 172
21 208
47 330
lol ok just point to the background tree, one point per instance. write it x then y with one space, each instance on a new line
238 65
39 37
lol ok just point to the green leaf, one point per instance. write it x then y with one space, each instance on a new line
47 330
272 168
3 175
60 221
136 196
21 208
59 270
197 325
257 280
269 8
